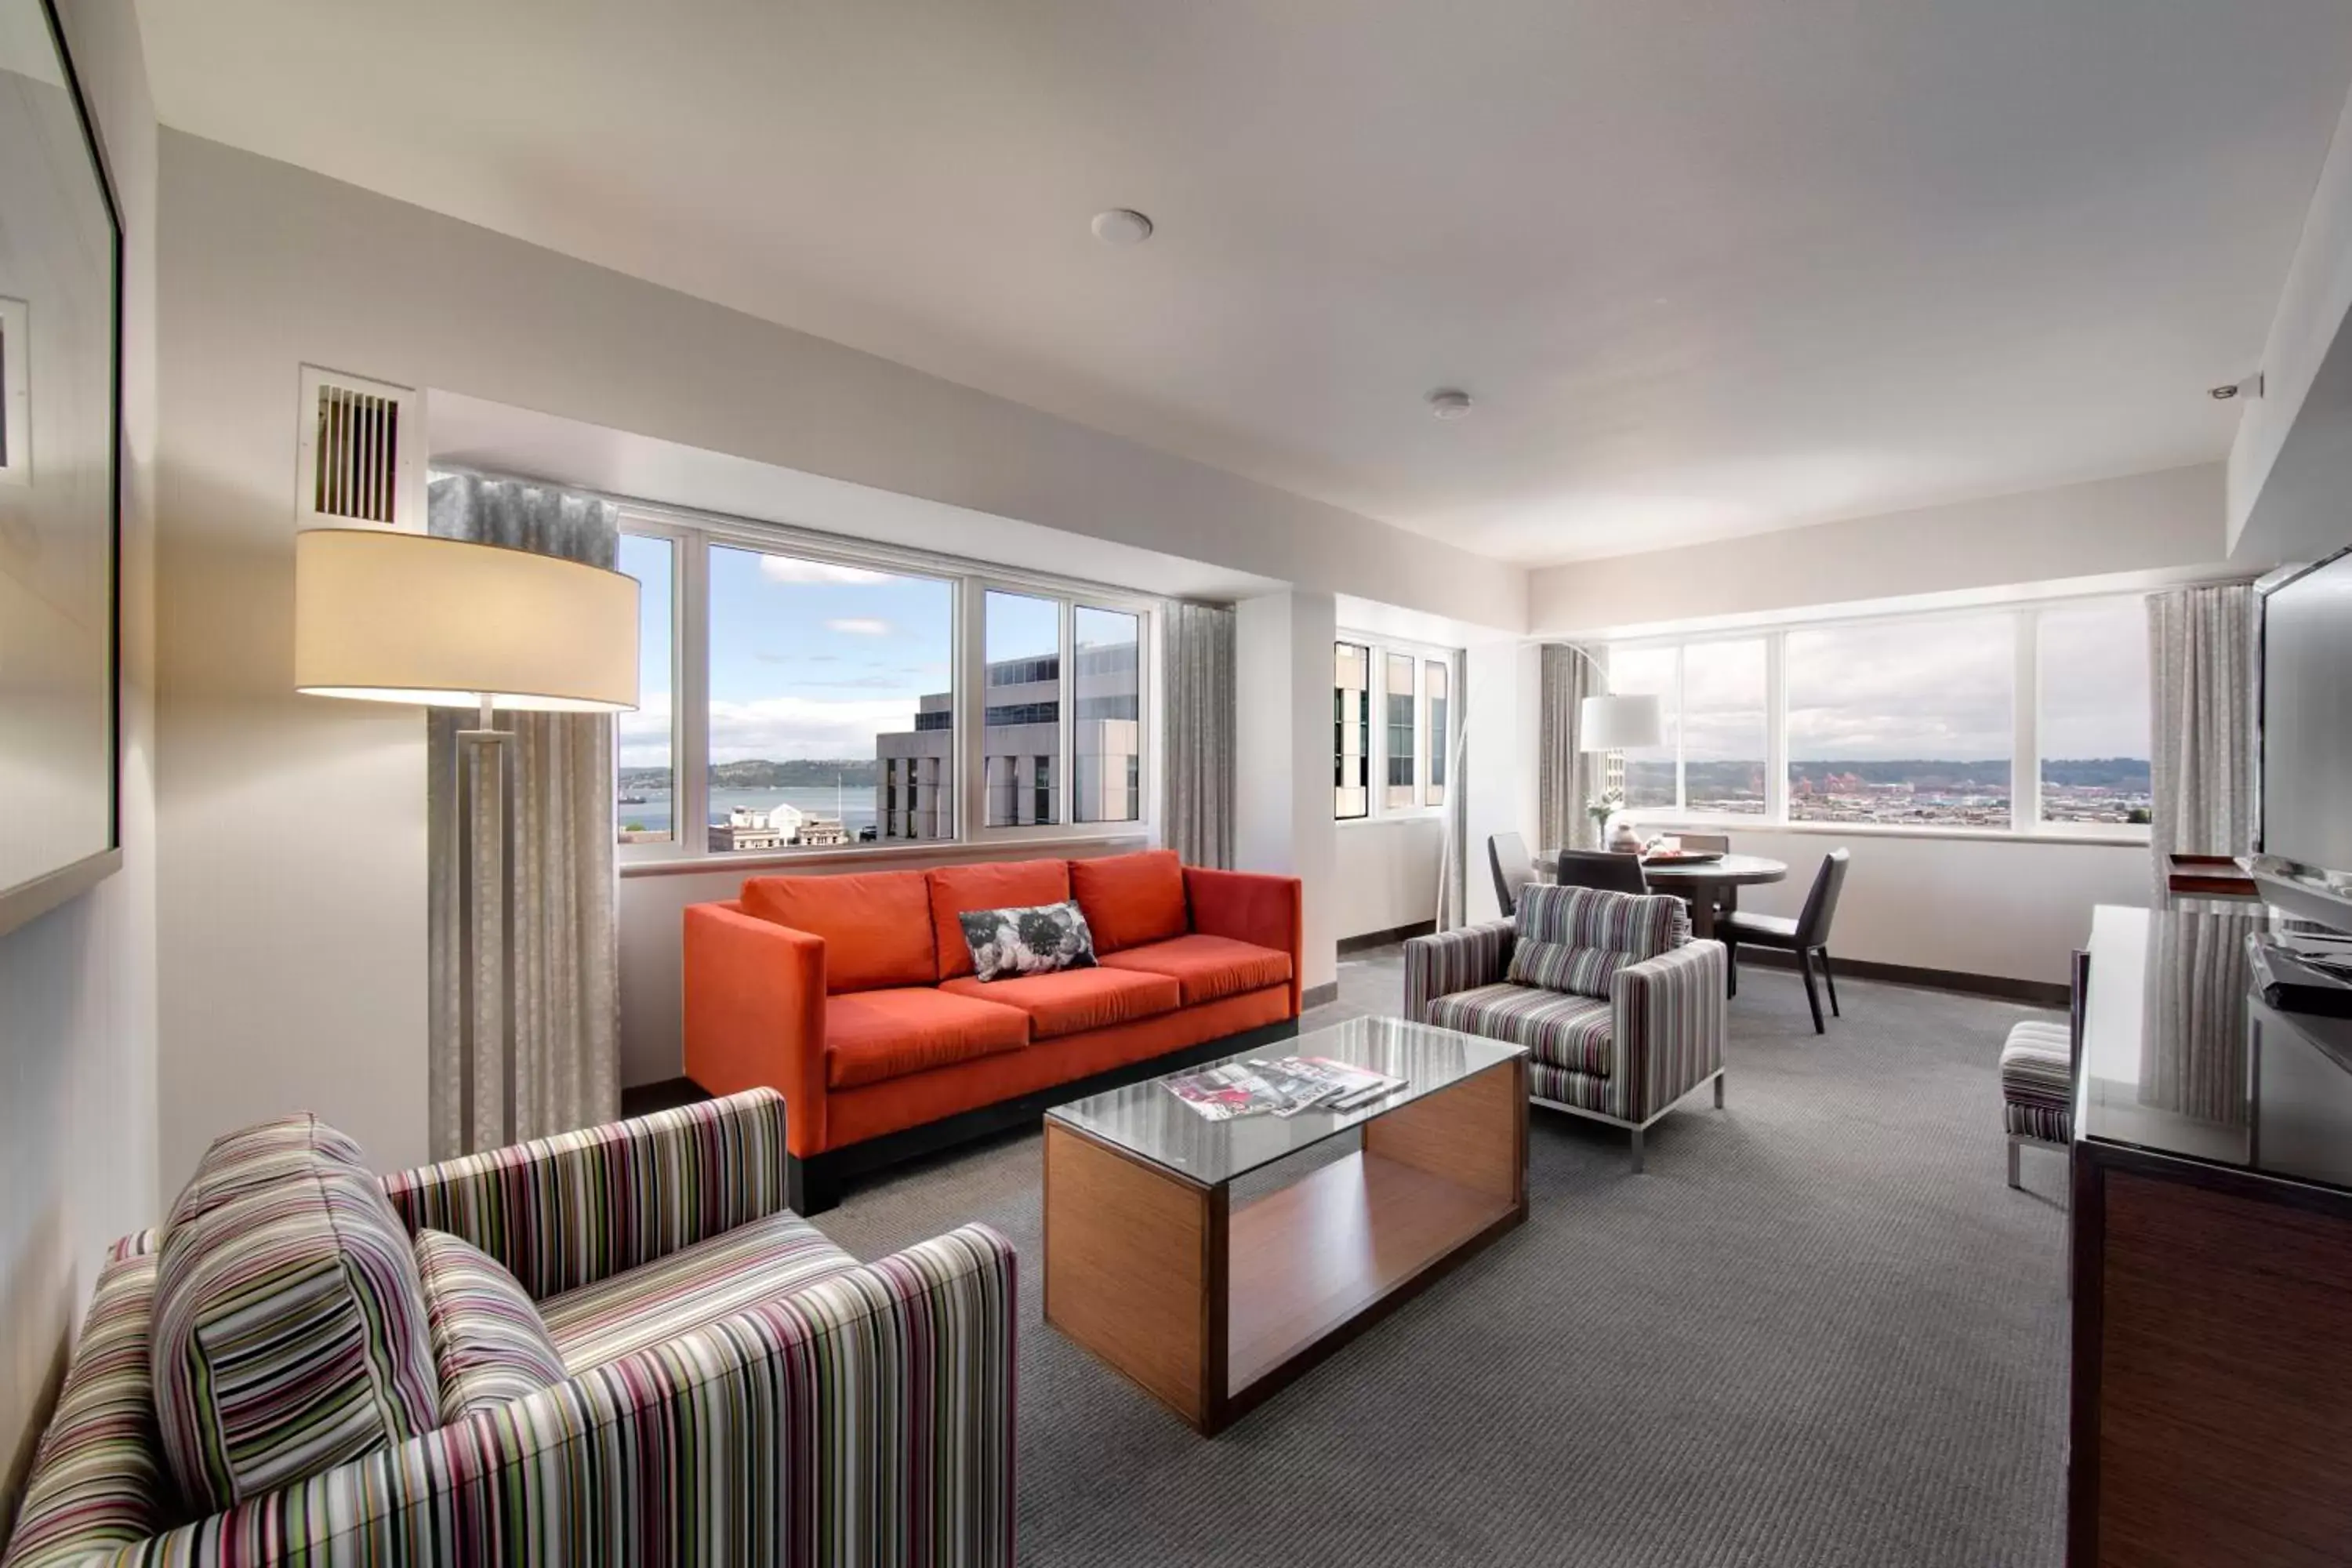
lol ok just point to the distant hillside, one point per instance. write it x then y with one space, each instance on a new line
1716 778
797 773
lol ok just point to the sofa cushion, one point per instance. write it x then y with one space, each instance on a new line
1574 940
253 1158
1077 1000
489 1343
992 885
689 1288
875 926
100 1479
1559 1030
1131 899
1043 940
290 1334
1206 967
876 1035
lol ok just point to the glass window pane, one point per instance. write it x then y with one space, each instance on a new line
646 735
2094 724
1436 686
1905 721
1649 770
1024 700
1723 725
1404 763
1106 744
1351 720
831 706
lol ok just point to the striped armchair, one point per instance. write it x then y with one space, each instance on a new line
1622 1011
721 1383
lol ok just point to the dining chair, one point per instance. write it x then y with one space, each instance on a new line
1726 900
1513 868
1807 936
1601 869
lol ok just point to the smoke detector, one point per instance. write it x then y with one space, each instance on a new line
1449 403
1122 226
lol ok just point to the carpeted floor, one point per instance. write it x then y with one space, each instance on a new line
1820 1331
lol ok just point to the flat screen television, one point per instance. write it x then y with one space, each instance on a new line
2306 723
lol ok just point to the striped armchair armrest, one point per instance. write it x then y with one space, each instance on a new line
866 1419
1667 1027
1454 960
562 1212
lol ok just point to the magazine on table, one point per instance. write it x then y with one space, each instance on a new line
1281 1088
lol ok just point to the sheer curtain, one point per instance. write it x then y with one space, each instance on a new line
563 949
1567 779
1197 757
2201 693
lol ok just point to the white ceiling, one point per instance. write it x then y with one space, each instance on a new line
1709 268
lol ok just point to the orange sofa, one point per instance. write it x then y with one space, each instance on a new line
854 997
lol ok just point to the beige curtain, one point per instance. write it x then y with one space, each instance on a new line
1197 751
1567 779
551 1057
2201 695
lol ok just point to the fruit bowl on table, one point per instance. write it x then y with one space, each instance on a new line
1681 857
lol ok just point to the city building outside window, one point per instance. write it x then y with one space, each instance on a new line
1414 691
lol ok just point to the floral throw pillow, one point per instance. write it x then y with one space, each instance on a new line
1042 939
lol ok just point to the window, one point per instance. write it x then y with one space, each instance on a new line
2093 719
1907 721
1105 742
1436 680
817 671
648 813
1403 764
1926 721
799 695
1023 635
1413 692
1722 723
1351 722
1653 773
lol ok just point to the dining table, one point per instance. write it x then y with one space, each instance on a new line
1699 883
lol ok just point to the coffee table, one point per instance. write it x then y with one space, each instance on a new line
1212 1304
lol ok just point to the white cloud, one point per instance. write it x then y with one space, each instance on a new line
859 626
786 727
786 569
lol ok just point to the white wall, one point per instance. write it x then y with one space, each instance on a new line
1387 873
292 881
78 1113
2168 523
2306 328
1282 790
2004 907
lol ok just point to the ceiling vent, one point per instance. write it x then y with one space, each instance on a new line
359 466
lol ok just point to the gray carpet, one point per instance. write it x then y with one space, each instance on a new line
1820 1331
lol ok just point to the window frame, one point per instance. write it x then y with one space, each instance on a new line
2025 819
694 534
1420 655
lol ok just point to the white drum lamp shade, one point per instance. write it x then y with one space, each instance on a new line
1619 723
446 623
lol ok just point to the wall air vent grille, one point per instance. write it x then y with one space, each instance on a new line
357 466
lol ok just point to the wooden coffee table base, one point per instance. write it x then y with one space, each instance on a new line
1213 1306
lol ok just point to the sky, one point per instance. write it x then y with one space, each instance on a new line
814 659
1936 688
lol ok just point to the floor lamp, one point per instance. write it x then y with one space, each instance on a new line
390 617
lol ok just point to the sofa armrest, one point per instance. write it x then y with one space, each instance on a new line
1253 907
753 996
1667 1025
868 1418
562 1212
1454 960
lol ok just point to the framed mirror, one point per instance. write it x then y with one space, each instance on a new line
60 444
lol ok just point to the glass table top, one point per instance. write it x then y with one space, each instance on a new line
1147 1120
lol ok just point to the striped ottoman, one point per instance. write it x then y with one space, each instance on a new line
2037 1086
